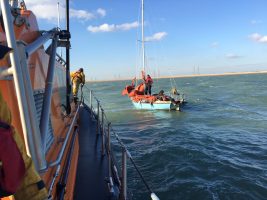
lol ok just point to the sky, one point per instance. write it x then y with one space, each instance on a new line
182 37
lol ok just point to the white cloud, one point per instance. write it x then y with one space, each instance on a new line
214 44
258 38
232 56
47 9
156 37
113 27
101 12
81 14
101 28
253 22
128 26
255 36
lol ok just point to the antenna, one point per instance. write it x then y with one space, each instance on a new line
58 16
58 23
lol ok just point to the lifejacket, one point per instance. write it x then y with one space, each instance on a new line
149 80
12 168
17 174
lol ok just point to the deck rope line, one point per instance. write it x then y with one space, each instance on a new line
118 139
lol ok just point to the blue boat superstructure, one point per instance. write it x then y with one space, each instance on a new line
157 105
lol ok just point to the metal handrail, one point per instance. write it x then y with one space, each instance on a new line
24 93
31 48
57 162
44 120
125 152
61 153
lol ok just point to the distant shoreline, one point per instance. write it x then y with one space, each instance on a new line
189 76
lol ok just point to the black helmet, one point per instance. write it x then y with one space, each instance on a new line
81 70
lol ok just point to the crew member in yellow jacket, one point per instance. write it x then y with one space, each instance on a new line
31 186
77 78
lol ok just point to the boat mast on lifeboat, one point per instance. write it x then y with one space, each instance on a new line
143 39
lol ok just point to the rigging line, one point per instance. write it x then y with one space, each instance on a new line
174 84
154 62
152 30
171 80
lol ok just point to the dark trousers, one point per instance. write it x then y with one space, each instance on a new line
148 89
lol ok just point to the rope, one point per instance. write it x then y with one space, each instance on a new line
131 159
122 146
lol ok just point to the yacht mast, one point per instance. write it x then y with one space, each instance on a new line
143 40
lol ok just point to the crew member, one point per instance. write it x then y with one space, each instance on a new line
18 175
148 83
161 96
133 82
77 78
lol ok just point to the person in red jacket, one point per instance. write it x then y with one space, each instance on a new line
148 82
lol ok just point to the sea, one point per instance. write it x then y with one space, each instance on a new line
214 148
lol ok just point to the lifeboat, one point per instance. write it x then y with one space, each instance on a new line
51 147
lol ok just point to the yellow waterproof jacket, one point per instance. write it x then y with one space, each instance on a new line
77 77
30 187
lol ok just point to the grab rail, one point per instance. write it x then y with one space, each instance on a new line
105 130
20 78
31 48
35 139
61 153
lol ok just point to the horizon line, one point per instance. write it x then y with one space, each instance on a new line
186 76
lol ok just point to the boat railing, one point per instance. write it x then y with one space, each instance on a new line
60 60
105 129
34 134
24 93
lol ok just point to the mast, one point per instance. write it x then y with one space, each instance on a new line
143 39
68 86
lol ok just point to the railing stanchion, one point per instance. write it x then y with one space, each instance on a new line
102 121
109 150
103 132
111 184
91 104
119 187
124 175
97 118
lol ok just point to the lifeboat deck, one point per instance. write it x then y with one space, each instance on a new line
92 166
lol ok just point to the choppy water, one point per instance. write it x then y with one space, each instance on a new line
216 148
